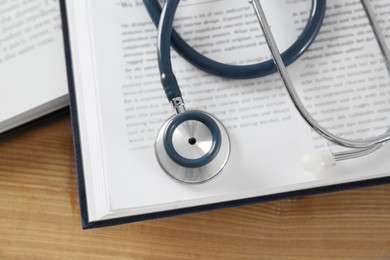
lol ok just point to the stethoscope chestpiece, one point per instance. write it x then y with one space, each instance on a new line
192 147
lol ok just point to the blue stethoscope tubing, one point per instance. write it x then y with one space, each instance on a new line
170 36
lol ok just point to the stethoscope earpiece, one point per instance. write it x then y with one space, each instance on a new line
192 147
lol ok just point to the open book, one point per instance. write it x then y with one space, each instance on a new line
118 104
32 63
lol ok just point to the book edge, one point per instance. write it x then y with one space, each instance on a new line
240 202
74 118
34 123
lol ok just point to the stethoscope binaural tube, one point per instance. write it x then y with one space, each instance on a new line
320 160
261 69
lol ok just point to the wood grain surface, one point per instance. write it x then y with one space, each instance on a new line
39 217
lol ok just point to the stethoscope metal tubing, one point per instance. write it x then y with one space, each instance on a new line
352 154
372 143
377 31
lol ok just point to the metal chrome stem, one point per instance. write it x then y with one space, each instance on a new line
178 105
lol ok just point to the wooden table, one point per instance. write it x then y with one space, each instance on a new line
39 217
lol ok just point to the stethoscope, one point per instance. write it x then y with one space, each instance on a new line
193 146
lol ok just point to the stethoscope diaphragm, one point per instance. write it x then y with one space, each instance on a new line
192 147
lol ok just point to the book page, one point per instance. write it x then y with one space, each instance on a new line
342 80
32 63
